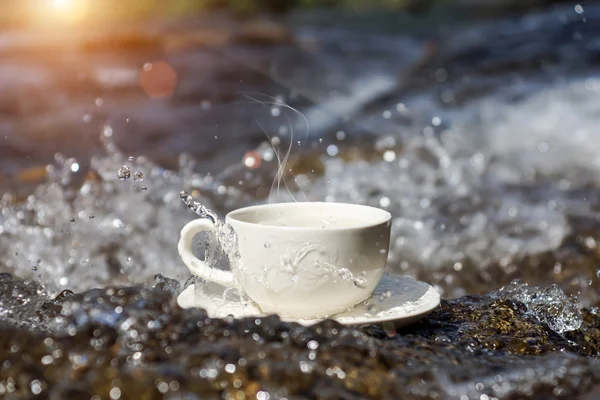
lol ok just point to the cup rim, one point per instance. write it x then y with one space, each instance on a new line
385 216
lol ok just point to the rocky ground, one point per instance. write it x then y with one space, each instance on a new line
136 343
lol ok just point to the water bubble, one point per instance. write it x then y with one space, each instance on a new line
91 216
267 245
138 176
295 278
72 219
131 158
579 9
74 167
124 173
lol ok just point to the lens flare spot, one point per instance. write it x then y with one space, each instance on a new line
252 159
158 79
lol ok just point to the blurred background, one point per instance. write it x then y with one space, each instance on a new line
473 121
72 66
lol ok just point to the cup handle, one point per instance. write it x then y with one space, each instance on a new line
196 266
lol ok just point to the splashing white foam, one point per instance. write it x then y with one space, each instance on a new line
451 196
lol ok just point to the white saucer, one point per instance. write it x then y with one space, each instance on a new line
399 300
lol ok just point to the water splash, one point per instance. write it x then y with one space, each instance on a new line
226 239
200 209
344 273
89 228
463 201
547 304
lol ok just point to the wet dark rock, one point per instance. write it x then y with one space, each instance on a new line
19 301
135 342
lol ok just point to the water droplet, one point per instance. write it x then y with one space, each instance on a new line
131 158
91 216
107 131
200 209
124 173
36 387
205 105
72 219
360 283
267 245
295 278
598 273
389 155
138 176
143 188
332 150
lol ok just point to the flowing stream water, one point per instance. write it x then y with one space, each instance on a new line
491 174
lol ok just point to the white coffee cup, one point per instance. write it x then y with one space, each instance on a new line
300 260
